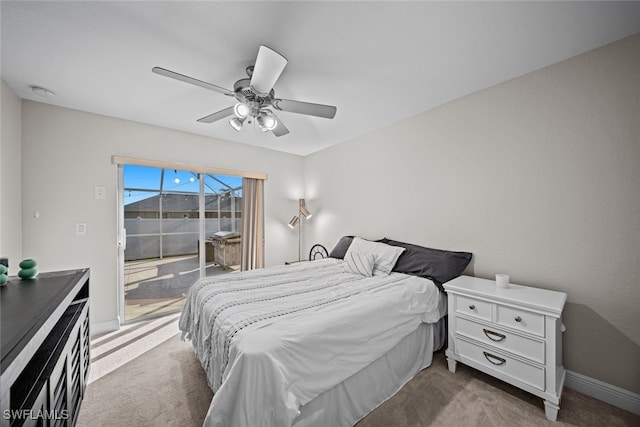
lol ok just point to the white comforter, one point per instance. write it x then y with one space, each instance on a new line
271 340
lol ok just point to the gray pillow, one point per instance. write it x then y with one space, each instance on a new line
341 248
438 265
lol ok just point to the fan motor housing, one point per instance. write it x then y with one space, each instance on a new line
245 93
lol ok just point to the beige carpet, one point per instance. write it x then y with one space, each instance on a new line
166 387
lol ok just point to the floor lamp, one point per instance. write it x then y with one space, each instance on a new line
302 212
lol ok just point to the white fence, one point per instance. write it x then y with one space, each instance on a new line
157 238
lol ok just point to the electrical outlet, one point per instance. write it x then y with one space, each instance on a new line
81 228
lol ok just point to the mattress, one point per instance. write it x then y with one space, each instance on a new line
278 341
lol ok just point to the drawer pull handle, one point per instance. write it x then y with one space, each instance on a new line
518 319
491 335
490 356
472 307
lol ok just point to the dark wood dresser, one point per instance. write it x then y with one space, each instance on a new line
44 348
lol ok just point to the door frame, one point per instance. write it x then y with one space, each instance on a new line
120 161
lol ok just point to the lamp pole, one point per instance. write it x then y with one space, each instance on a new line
300 204
299 241
303 212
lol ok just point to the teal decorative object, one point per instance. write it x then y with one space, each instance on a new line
28 269
3 274
28 263
28 273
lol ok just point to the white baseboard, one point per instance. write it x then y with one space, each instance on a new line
608 393
104 327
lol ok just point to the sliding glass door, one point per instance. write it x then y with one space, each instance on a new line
168 215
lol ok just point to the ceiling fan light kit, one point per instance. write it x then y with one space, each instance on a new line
255 95
241 110
236 123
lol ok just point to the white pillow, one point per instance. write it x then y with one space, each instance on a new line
385 256
359 263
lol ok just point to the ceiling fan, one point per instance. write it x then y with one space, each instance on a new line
255 96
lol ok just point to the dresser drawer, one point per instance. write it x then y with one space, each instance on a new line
473 307
523 372
523 320
525 347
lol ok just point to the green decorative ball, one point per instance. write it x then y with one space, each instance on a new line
3 269
28 273
3 279
28 263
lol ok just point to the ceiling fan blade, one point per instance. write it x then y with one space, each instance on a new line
267 70
217 116
280 128
191 80
318 110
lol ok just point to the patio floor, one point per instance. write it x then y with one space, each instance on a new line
159 286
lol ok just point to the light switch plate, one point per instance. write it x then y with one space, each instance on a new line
101 192
81 228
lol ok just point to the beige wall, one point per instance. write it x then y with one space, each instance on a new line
10 182
66 153
539 177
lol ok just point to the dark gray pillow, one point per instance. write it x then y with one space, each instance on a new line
341 248
438 265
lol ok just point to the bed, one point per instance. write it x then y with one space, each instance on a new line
317 343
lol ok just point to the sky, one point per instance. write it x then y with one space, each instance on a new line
141 182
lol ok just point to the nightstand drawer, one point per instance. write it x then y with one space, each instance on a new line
520 319
473 307
525 347
523 372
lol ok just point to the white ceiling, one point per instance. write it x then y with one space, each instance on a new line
378 62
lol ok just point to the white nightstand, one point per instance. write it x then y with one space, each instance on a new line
513 334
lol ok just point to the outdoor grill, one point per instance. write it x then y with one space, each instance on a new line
226 248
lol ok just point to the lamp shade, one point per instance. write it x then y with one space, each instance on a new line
294 221
268 120
303 210
236 123
241 110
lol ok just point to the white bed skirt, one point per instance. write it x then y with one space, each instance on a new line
354 398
